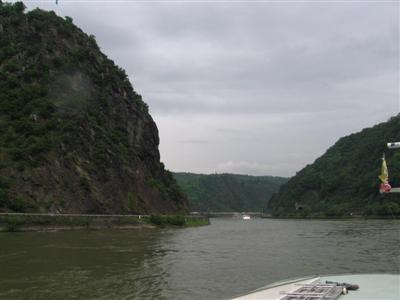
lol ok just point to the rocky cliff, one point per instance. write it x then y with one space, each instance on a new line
344 181
74 135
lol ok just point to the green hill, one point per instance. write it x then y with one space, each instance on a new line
228 192
74 135
344 180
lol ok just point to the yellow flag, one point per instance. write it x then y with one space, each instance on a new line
384 177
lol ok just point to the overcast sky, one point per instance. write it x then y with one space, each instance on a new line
261 88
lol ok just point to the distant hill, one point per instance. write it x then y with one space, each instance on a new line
228 192
74 135
344 180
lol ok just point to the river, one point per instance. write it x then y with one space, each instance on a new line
227 258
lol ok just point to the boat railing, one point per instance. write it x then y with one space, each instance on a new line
314 291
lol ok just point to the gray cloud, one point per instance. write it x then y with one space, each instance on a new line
234 86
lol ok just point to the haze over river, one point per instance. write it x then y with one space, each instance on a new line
225 259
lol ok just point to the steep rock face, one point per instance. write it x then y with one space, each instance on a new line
345 180
74 136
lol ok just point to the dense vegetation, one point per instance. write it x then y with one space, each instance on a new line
74 135
22 222
228 192
178 220
344 181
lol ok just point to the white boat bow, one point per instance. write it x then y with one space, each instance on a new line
371 287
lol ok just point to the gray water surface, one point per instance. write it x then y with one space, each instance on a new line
219 261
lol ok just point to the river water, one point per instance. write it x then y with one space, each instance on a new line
227 258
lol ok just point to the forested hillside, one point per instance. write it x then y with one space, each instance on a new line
345 180
74 135
228 192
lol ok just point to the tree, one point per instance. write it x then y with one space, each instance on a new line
19 7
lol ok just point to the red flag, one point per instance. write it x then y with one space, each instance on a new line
385 188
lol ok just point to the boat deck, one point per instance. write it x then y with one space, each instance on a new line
315 291
372 287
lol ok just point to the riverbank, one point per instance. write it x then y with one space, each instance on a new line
322 217
10 222
297 216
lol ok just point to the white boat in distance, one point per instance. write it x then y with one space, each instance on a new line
246 217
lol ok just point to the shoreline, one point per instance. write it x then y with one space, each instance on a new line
20 222
334 217
38 228
299 217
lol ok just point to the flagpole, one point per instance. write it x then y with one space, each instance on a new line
392 145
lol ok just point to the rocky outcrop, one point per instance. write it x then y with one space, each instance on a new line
75 137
